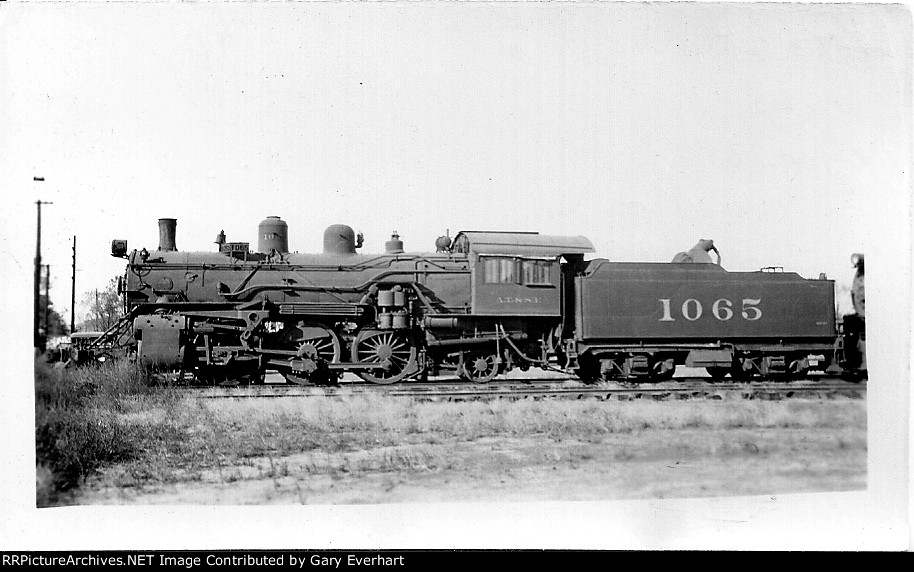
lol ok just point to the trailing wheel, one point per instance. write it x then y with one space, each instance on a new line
480 367
394 349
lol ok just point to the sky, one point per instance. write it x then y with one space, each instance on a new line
642 127
782 132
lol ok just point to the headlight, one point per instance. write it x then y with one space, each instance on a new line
119 248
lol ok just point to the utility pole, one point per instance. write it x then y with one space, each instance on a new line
47 301
73 292
39 341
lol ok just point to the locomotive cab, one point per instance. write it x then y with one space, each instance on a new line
516 273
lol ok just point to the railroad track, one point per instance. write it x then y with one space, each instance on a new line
550 388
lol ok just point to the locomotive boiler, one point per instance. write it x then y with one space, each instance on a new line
233 314
479 305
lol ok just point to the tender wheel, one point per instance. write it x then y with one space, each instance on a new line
663 370
588 369
395 348
480 367
739 372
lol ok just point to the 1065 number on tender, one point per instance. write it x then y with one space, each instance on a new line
722 309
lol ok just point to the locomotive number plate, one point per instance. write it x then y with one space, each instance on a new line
721 309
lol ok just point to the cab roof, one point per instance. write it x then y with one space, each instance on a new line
520 243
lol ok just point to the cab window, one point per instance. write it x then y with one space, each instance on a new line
501 271
537 272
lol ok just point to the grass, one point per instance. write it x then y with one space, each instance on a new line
75 432
81 426
218 434
107 416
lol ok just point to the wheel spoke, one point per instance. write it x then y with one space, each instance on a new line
480 367
394 348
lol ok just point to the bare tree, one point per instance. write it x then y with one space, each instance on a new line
104 307
56 326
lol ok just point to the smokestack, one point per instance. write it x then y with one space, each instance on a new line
167 231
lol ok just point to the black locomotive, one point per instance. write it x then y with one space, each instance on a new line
480 305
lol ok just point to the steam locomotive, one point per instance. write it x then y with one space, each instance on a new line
482 304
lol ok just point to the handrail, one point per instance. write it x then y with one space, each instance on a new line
348 289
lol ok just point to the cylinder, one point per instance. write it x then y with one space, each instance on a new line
168 228
273 234
339 239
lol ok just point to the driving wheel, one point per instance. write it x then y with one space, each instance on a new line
317 346
394 349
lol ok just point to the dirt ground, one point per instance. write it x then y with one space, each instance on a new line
644 464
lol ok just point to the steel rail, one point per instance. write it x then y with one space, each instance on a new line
543 389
